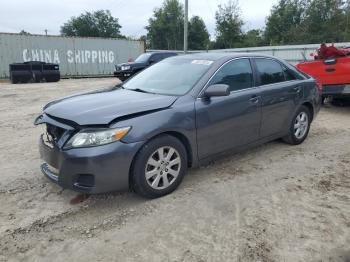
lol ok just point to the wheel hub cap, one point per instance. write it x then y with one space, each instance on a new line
301 125
163 167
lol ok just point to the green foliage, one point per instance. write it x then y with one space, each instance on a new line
283 25
307 21
198 36
253 38
165 29
228 26
97 24
325 21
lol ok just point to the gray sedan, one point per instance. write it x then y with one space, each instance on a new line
182 112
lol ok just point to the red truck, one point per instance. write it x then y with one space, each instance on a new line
331 68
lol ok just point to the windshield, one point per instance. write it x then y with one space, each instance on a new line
143 58
169 77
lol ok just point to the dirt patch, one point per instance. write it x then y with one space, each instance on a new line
272 203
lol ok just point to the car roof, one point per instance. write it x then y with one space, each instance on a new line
214 56
162 52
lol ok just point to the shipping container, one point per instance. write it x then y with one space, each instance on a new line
77 56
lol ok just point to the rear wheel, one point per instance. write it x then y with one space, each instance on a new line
159 167
300 127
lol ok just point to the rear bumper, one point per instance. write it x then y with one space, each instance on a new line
90 170
336 90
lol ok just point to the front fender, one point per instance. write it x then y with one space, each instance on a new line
180 118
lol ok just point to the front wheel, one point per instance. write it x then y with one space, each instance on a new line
300 127
159 167
14 80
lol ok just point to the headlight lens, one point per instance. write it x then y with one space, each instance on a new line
125 68
96 137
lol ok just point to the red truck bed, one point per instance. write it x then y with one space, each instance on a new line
331 69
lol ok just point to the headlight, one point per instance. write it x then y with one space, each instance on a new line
96 137
126 67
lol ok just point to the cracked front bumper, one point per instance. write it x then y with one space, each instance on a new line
90 170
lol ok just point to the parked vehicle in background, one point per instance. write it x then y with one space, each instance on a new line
34 71
331 68
181 112
126 70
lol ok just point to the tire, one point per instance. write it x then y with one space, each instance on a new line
14 80
295 138
160 181
51 79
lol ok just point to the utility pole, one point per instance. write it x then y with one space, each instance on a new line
186 27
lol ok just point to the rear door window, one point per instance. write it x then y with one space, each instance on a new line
270 71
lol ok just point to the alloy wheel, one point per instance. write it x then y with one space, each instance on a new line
163 167
301 125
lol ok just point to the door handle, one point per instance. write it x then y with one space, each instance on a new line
330 69
297 89
254 99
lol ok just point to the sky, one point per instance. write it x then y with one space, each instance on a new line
34 16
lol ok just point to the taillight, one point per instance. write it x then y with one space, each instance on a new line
319 86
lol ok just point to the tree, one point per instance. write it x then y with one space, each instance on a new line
97 24
23 32
198 36
165 29
253 38
347 21
284 24
228 26
307 21
325 21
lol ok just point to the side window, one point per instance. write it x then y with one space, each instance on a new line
237 74
270 71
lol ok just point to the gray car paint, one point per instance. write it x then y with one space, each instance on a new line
101 108
206 126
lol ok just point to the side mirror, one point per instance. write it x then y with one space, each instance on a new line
217 90
152 61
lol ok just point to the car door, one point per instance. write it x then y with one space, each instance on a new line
230 121
280 92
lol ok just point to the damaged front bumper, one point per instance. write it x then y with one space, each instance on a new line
91 170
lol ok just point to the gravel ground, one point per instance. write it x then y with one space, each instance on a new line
273 203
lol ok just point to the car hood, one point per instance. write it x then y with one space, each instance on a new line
101 107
